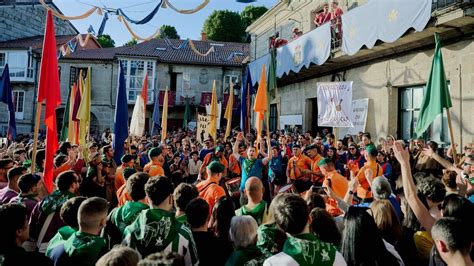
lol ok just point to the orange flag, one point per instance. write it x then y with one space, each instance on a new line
261 103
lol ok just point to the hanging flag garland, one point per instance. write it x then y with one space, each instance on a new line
134 35
181 46
71 45
144 20
191 44
166 4
61 16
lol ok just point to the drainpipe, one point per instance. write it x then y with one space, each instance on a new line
35 96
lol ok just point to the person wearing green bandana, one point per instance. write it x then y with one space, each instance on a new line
182 195
243 234
251 166
68 214
256 206
45 216
86 245
302 247
156 229
125 215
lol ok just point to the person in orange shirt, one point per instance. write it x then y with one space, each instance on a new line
332 179
127 161
234 165
313 153
218 156
122 193
299 170
363 190
209 190
155 166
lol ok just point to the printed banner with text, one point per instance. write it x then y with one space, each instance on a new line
203 128
335 104
360 108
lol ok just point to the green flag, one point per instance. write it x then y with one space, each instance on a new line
187 114
436 96
65 128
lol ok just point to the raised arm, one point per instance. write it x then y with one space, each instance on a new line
269 152
445 163
409 189
235 149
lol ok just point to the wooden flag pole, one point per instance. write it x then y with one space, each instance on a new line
455 157
35 136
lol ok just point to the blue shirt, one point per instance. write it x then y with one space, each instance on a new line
255 170
394 203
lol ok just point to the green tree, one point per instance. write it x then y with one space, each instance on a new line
252 13
132 42
225 26
105 41
169 31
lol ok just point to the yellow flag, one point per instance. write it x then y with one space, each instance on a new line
71 128
84 112
164 117
228 111
214 113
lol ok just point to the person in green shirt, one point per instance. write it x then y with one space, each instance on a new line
256 206
125 215
156 229
302 247
68 214
182 195
86 245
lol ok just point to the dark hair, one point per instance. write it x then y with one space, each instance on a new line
330 135
65 180
40 155
183 194
68 212
158 189
197 212
126 158
291 214
432 188
223 212
453 232
459 207
13 217
136 185
106 148
324 226
410 221
5 162
64 146
367 135
27 181
315 200
361 241
15 172
449 179
58 160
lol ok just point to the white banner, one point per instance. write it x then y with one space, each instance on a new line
219 115
334 104
359 108
203 128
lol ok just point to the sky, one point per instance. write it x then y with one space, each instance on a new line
188 26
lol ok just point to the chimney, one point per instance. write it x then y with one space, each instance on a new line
203 36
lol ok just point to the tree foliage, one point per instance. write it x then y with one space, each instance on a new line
132 42
105 41
252 13
169 31
225 26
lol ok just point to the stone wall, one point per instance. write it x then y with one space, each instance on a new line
20 21
411 69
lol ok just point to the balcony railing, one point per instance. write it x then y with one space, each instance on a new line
20 73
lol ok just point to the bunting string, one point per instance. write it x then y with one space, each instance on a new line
181 46
191 44
61 16
136 36
166 4
71 45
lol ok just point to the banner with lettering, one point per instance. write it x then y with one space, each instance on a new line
335 104
359 108
203 128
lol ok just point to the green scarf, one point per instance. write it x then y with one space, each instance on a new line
152 231
306 249
53 202
270 239
22 198
63 234
250 255
182 219
84 248
258 212
126 215
248 164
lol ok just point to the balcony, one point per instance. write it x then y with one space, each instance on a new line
20 74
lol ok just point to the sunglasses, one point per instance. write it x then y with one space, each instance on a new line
466 164
352 148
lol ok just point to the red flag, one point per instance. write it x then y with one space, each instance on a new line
48 91
145 91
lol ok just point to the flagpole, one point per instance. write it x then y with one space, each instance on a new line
35 137
452 137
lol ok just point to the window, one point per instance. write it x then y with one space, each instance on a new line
227 80
19 103
134 74
74 74
410 103
3 59
20 64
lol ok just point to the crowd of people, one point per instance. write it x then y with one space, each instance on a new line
278 199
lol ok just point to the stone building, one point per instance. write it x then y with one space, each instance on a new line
391 75
185 73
